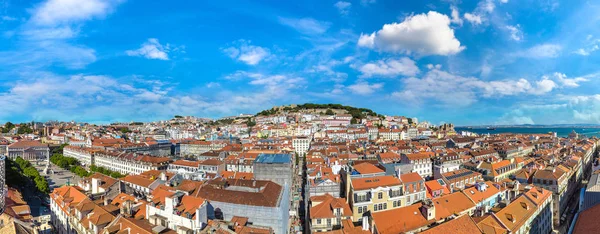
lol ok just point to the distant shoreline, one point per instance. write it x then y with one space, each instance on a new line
529 126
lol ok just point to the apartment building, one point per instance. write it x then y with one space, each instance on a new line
301 145
556 181
198 147
328 212
175 210
129 163
374 194
84 155
459 179
421 163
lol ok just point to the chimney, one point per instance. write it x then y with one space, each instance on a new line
365 223
428 209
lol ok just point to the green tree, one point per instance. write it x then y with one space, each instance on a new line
41 184
329 112
7 127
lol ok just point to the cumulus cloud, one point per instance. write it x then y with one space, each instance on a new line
541 51
364 88
454 90
423 34
247 53
151 49
343 7
308 26
390 68
54 12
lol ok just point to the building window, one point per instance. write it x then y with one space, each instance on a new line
380 196
318 221
360 210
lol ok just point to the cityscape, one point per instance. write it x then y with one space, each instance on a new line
295 169
314 116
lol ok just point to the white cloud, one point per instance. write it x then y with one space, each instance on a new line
455 16
582 52
453 90
364 88
562 79
423 34
98 98
53 12
515 32
585 109
151 49
473 18
544 86
483 10
247 53
343 7
541 51
390 68
436 66
590 47
306 25
503 1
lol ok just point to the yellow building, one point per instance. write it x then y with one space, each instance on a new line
374 194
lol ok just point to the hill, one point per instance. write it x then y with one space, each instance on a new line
328 109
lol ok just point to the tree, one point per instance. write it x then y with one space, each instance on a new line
329 112
354 121
41 184
24 130
7 127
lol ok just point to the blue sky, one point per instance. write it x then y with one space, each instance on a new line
466 62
